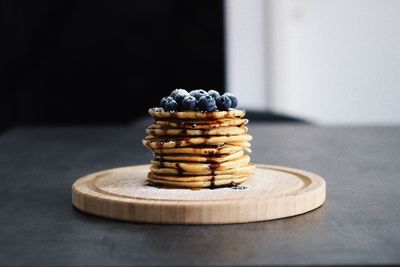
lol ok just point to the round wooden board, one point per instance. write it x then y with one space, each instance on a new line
272 192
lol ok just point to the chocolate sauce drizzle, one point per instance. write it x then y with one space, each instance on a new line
213 165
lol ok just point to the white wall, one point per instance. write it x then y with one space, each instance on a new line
334 62
246 54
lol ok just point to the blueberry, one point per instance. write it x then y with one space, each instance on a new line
170 105
214 94
174 92
198 93
233 99
180 96
189 103
165 99
224 102
207 103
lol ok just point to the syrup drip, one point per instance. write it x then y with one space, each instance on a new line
210 121
213 167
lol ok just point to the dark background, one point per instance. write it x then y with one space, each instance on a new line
97 62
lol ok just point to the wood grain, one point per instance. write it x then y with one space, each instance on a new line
272 192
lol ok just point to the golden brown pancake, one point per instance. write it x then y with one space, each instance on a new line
245 170
200 124
199 158
205 150
188 115
195 166
226 131
196 184
152 141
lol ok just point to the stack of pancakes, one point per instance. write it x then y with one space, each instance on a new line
198 149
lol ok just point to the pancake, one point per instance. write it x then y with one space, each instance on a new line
241 144
161 114
247 170
244 145
200 158
248 150
200 124
195 166
200 184
152 141
195 178
210 150
162 131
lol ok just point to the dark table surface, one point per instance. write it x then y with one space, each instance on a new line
358 224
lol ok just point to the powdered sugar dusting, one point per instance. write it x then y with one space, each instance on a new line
131 182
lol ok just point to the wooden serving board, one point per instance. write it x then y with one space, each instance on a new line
272 192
